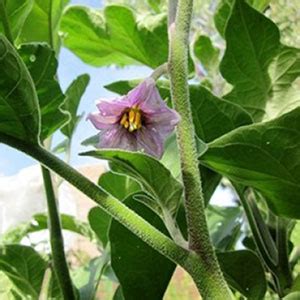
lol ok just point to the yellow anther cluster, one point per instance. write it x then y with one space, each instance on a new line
131 119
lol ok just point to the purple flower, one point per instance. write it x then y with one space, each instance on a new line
137 121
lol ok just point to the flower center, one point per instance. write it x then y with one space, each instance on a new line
132 119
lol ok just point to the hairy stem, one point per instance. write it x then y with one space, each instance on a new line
5 22
159 71
56 239
145 231
199 240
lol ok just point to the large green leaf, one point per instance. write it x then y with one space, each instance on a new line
42 65
71 103
252 42
115 36
224 10
19 113
213 116
265 156
244 272
164 191
17 12
284 70
141 270
38 24
24 267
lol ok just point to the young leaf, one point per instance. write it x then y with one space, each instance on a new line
118 186
19 109
140 269
24 267
252 42
244 272
207 54
165 190
115 37
284 70
17 12
264 156
38 24
42 65
71 103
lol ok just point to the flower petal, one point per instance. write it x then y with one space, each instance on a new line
140 93
117 138
163 121
149 141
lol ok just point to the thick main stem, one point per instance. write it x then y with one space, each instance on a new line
56 239
199 240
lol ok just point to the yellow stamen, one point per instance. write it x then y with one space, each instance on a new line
124 120
137 121
132 119
131 116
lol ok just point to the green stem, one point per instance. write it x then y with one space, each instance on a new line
261 234
172 8
5 22
285 275
199 240
56 239
159 71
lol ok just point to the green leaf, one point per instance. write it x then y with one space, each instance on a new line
117 185
264 156
71 103
17 12
36 28
115 37
7 289
155 5
100 222
87 278
40 222
19 109
252 42
24 267
165 191
118 295
244 272
213 116
224 225
284 70
140 269
207 54
42 65
224 10
292 296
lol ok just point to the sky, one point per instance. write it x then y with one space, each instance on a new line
70 66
